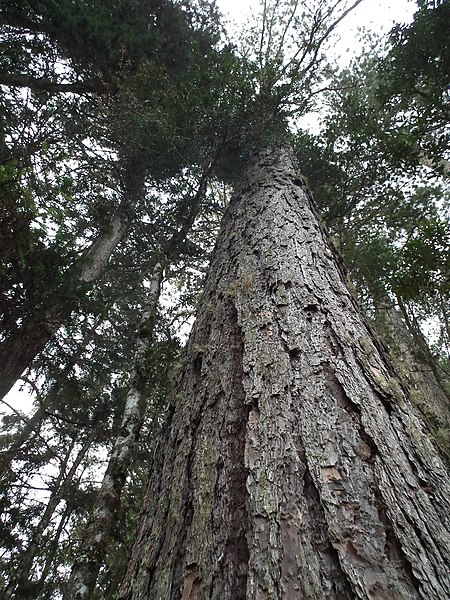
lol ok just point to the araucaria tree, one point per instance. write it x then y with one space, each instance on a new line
292 464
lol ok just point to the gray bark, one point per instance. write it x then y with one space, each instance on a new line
292 465
50 563
441 165
99 253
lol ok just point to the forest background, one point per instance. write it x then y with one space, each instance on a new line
120 147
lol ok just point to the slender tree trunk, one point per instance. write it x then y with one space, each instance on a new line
23 580
422 348
412 355
50 560
292 465
19 350
32 427
97 532
102 521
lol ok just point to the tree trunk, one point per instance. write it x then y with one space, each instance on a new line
414 360
50 562
23 345
97 532
19 350
292 465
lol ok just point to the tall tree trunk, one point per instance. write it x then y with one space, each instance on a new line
19 350
422 348
97 532
292 465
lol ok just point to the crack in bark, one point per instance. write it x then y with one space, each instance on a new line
392 548
337 391
235 555
334 578
181 570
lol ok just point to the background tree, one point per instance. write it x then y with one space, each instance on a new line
125 134
143 124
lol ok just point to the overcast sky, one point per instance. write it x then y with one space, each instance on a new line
370 13
375 15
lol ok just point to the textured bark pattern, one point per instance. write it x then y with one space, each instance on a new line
292 466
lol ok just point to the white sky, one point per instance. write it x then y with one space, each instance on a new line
370 13
374 15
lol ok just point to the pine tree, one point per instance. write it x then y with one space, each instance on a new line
253 448
292 463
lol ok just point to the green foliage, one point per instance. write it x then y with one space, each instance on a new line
419 62
81 155
376 171
386 212
414 77
152 109
423 263
111 38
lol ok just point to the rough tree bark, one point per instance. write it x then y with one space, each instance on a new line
292 465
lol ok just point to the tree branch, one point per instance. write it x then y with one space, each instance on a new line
39 84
